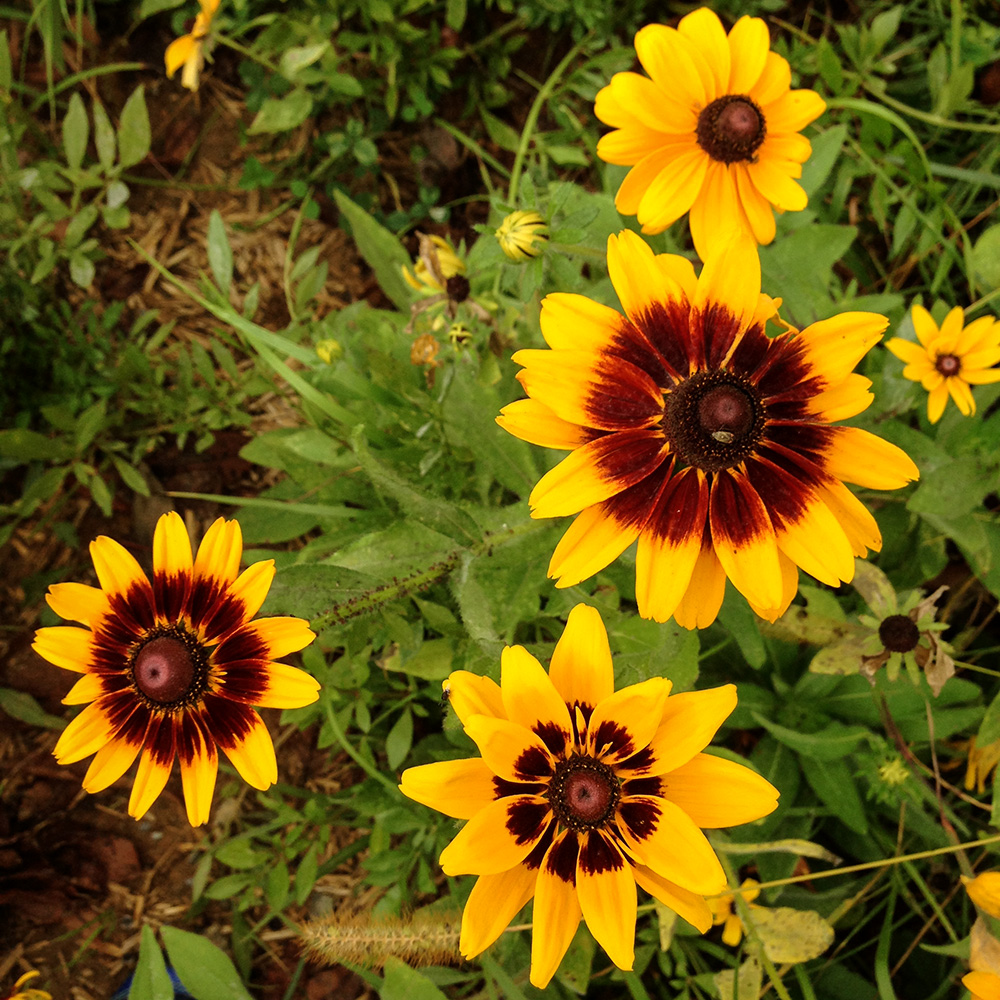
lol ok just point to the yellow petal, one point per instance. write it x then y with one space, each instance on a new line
816 541
860 527
171 546
756 207
793 111
557 913
199 767
671 193
117 569
704 30
749 42
671 60
536 423
179 51
638 280
150 779
252 585
605 888
88 688
530 698
699 606
663 570
834 346
624 723
85 735
252 754
717 216
774 81
716 792
66 646
487 845
687 724
581 669
220 552
78 602
592 541
109 764
937 398
858 456
458 788
288 687
689 905
494 901
510 750
281 635
984 891
471 694
773 179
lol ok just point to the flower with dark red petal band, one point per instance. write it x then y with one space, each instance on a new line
172 668
582 793
692 431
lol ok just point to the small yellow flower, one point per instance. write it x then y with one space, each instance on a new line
982 762
947 361
984 891
522 235
724 911
31 993
435 264
186 51
329 350
893 772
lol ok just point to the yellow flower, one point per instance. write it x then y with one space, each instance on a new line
522 235
984 891
172 668
30 993
693 432
712 130
982 761
436 263
582 793
982 985
724 911
187 51
950 360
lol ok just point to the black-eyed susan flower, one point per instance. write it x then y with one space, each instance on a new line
982 985
188 50
949 360
984 891
522 235
693 432
172 668
713 130
22 991
726 913
582 793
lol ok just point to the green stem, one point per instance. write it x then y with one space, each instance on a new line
348 748
532 120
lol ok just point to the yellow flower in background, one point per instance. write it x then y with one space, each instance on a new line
982 985
712 130
187 51
522 235
982 763
582 793
172 668
984 891
435 265
697 435
724 911
947 361
30 993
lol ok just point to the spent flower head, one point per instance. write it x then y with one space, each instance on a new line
22 991
712 130
188 50
582 793
522 235
172 668
950 360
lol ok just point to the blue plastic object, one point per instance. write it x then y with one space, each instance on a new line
179 992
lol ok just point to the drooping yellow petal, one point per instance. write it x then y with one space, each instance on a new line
458 788
556 913
536 423
494 901
699 606
689 905
109 764
663 570
984 891
85 735
860 527
591 542
199 767
716 792
78 602
66 646
816 541
962 394
774 181
470 694
581 669
756 207
179 51
717 217
252 754
672 192
605 887
150 779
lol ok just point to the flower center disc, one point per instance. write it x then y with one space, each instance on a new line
899 634
731 129
583 792
948 364
164 670
714 420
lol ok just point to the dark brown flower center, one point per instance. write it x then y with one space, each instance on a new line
714 420
457 287
948 364
731 129
583 793
170 667
899 634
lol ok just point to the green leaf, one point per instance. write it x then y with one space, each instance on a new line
644 649
381 250
134 136
825 151
104 137
220 254
75 132
239 853
151 980
206 972
433 660
500 132
791 935
130 476
277 888
299 57
403 983
836 788
306 874
150 7
20 705
400 739
24 445
829 744
89 424
281 114
986 258
454 15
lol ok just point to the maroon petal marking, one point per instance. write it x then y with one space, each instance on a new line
537 855
613 739
160 739
785 497
241 645
622 396
799 446
189 744
245 680
126 715
109 655
666 326
171 594
136 609
533 763
527 819
599 854
636 764
788 369
682 508
504 788
748 359
216 612
640 815
555 738
632 507
713 332
561 859
730 515
640 786
627 457
228 722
